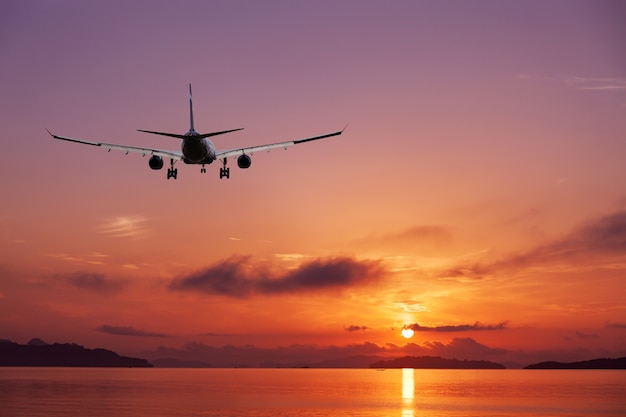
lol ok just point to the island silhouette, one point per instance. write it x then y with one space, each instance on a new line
434 362
39 353
600 363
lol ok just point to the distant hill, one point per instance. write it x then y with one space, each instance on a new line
39 353
601 363
36 342
358 361
435 362
178 363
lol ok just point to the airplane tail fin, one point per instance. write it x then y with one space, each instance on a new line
191 128
192 131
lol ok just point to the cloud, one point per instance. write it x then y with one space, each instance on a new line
422 232
582 335
458 328
468 272
94 282
604 236
595 241
422 238
237 276
460 348
228 277
127 331
587 83
131 226
321 274
616 325
296 355
355 328
289 256
581 83
308 355
94 258
412 306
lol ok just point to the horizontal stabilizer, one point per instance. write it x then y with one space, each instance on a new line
199 136
172 135
208 135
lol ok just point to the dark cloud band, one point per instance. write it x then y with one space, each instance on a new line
238 277
458 328
127 331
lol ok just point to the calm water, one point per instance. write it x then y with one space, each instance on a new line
309 392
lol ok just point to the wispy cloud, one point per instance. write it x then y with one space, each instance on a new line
458 327
238 276
64 257
604 238
581 83
95 258
355 328
95 282
422 232
129 226
127 331
289 256
422 238
586 83
412 306
582 335
298 355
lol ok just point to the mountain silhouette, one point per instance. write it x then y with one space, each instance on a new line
600 363
435 362
39 353
178 363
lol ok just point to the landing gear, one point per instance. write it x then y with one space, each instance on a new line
224 172
203 169
171 171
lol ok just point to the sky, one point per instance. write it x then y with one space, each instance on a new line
477 195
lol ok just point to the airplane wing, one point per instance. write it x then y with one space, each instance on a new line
109 146
249 150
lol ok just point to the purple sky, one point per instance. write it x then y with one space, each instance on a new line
480 180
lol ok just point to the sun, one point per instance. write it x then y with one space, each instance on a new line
407 333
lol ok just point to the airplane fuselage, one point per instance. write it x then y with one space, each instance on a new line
196 149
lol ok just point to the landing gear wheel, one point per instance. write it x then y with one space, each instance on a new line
224 172
203 169
172 172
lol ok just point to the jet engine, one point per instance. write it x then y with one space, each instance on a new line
244 161
155 162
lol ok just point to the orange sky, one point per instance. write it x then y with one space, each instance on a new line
477 194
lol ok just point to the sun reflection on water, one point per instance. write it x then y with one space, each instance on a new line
408 391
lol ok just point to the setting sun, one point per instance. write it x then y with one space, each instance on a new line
407 333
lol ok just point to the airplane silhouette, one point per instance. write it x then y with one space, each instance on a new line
197 148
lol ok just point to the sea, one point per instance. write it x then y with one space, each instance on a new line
139 392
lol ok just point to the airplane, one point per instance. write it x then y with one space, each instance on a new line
196 148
